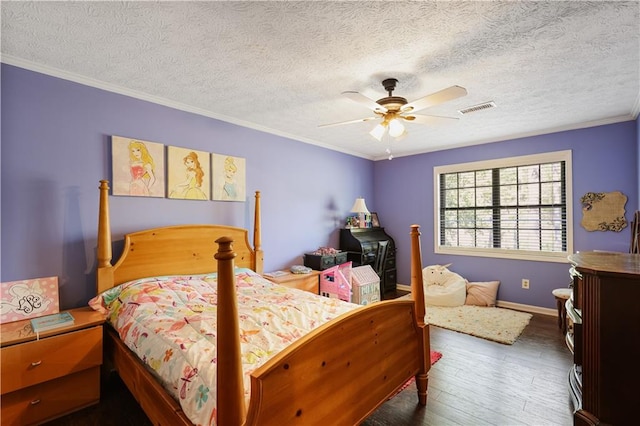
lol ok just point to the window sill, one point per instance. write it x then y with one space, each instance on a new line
506 254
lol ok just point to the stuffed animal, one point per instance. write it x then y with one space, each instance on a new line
443 287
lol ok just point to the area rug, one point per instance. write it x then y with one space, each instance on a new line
496 324
435 356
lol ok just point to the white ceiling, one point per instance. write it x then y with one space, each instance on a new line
281 67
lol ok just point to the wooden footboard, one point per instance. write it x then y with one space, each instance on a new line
339 373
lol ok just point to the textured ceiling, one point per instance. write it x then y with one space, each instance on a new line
281 67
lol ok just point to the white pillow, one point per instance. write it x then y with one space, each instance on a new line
482 293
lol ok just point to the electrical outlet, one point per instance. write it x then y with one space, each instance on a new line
525 283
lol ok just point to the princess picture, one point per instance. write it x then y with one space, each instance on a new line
138 167
189 172
228 178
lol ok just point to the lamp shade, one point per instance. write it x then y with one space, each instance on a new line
378 132
359 206
395 128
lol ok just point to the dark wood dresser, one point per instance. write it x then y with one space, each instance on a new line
603 316
372 246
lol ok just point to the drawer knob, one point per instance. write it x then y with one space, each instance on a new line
36 363
35 401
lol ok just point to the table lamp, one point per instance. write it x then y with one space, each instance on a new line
361 208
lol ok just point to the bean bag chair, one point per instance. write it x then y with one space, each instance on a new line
443 287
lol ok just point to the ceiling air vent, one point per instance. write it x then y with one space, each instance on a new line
478 107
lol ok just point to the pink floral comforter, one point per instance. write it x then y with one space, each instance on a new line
170 323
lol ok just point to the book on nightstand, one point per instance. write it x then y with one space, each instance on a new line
50 322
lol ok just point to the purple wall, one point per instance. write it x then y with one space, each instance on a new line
605 159
56 148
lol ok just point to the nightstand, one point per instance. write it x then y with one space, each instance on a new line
42 379
309 282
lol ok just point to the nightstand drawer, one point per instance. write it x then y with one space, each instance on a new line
309 282
37 361
52 399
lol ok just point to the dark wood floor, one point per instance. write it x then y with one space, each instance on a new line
477 382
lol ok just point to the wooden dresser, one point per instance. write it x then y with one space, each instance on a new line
42 379
603 316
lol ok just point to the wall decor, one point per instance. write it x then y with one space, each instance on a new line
375 222
189 174
603 211
137 167
28 299
228 177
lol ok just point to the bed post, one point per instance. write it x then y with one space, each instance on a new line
104 274
417 291
257 240
229 381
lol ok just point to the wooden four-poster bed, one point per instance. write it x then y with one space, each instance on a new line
338 373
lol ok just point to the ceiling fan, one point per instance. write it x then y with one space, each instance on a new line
392 110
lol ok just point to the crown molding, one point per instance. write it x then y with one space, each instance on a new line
98 84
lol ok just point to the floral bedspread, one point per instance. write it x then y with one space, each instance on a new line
170 323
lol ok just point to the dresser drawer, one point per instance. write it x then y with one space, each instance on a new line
390 280
391 253
390 263
30 363
52 399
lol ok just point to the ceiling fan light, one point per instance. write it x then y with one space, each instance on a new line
378 132
395 128
402 136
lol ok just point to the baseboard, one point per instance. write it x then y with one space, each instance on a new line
509 305
403 287
527 308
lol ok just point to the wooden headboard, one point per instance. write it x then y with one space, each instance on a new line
171 250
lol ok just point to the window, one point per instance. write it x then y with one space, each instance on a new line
517 208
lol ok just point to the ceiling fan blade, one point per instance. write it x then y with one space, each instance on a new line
436 98
360 120
427 119
363 100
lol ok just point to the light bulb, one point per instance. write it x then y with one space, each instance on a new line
378 132
395 128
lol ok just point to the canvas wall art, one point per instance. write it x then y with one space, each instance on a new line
603 211
228 178
138 167
28 299
189 174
